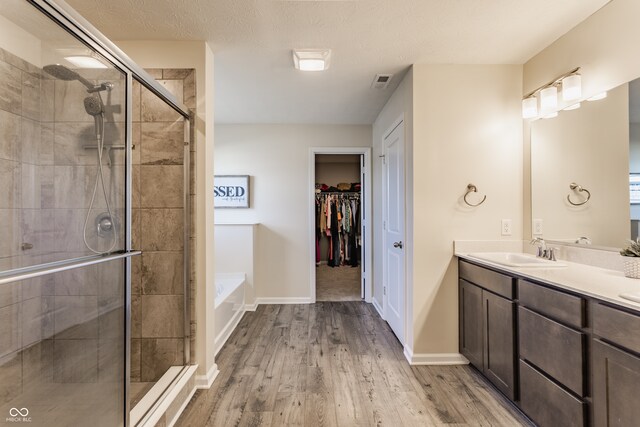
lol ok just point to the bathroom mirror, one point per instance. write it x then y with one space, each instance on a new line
583 166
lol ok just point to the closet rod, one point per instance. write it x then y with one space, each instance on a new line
339 192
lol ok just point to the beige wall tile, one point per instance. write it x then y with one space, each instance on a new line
136 316
135 360
47 105
162 229
10 229
10 179
69 102
153 109
10 88
31 96
162 316
10 140
162 273
10 377
76 317
10 329
75 361
158 355
162 143
31 321
161 186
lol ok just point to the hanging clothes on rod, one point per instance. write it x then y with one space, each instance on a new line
338 220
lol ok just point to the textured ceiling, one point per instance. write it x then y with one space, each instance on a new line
252 40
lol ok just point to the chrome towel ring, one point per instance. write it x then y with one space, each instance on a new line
473 189
578 189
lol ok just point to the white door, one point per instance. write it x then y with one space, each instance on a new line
394 231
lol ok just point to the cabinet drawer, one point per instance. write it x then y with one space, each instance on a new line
488 279
563 307
555 349
546 403
617 326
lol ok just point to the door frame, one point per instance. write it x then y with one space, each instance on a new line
399 121
366 208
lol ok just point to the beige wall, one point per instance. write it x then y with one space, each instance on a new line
589 146
467 129
277 159
198 55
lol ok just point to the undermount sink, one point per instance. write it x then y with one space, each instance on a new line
512 259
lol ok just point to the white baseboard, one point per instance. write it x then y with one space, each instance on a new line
377 307
434 358
224 335
269 300
205 381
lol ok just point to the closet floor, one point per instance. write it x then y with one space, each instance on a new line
337 283
336 364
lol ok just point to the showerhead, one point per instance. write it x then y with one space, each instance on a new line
63 73
93 106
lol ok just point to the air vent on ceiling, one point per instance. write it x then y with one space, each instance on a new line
381 81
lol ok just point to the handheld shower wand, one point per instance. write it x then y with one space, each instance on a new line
94 106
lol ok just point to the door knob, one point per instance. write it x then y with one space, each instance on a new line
397 245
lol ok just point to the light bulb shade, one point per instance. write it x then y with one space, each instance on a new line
549 99
529 107
572 87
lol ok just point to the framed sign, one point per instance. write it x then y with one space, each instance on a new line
231 191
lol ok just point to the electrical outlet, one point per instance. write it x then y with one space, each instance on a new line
537 227
506 227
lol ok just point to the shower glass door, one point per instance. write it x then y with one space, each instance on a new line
63 226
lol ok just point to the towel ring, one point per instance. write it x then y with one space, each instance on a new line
575 187
473 189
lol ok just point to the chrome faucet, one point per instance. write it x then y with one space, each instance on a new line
542 247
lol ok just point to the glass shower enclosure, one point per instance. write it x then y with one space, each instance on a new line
71 226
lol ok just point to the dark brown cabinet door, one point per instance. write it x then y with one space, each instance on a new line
471 337
616 386
499 354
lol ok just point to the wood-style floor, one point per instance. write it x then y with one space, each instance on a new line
336 364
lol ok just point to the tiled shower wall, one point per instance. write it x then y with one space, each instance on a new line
65 328
158 212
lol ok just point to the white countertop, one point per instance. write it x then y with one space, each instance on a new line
596 282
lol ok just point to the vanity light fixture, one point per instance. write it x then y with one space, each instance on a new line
311 59
573 107
571 84
549 99
598 96
85 61
530 107
572 87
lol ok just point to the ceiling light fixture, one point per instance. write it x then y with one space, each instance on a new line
311 59
571 84
85 61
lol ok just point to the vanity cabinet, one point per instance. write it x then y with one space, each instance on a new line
487 333
615 367
552 351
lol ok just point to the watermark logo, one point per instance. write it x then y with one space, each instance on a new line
18 415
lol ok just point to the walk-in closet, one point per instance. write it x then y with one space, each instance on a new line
338 196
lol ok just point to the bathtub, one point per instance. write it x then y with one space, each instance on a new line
229 305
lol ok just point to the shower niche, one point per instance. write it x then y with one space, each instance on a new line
95 224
